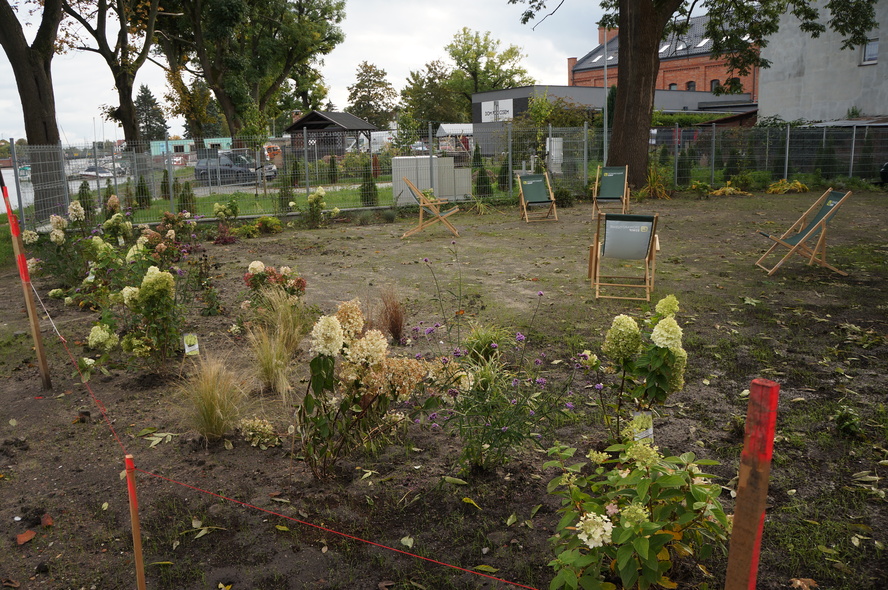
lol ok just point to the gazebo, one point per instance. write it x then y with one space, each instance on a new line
328 133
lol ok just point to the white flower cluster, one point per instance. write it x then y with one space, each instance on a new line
130 296
58 222
370 350
667 334
76 211
30 237
256 267
57 236
594 530
100 337
351 318
327 336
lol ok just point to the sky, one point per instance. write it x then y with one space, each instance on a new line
398 36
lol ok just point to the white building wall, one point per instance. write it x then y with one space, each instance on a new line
815 80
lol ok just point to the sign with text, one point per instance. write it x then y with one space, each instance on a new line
493 111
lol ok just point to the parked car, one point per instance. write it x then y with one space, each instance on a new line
230 168
91 172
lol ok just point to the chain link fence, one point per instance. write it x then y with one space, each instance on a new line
275 176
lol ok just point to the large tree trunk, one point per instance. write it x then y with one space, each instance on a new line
33 77
642 23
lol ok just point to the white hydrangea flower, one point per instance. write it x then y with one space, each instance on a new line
57 236
33 265
285 270
256 267
30 237
667 306
171 235
130 295
369 350
623 339
76 211
594 530
327 336
58 222
667 334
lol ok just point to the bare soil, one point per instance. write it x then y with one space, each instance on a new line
818 334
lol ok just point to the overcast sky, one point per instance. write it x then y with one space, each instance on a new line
397 36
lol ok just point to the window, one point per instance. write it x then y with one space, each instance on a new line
673 87
178 149
870 52
691 86
713 85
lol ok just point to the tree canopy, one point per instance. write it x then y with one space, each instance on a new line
739 30
372 97
429 96
481 66
152 123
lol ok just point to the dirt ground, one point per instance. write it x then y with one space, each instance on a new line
216 517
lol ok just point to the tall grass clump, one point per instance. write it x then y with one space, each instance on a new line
287 316
392 315
272 358
212 399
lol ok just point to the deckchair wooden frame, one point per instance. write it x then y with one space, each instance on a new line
598 200
811 225
646 281
431 207
526 202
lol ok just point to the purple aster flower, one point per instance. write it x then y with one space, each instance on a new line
452 242
457 352
433 416
541 381
435 425
425 259
416 421
569 406
429 331
538 362
444 360
599 386
539 293
505 428
513 402
515 382
520 337
494 345
418 356
583 356
532 413
437 325
452 393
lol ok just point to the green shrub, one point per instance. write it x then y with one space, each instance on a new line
369 191
187 201
143 194
269 225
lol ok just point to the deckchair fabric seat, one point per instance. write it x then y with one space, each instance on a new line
535 190
611 187
811 227
429 211
624 237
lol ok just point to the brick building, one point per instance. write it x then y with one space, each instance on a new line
685 63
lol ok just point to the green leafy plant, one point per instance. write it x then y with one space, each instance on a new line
259 432
632 517
269 225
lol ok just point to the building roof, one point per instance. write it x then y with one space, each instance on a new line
690 44
328 120
455 129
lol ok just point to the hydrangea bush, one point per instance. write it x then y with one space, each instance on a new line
629 514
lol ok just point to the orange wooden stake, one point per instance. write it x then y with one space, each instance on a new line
752 486
134 518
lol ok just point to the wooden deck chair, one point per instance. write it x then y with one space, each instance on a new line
624 237
810 227
611 187
429 211
535 190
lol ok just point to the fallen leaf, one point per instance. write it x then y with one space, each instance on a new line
13 422
455 481
472 502
511 520
486 568
407 542
25 537
281 527
46 520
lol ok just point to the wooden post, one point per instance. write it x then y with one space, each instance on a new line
18 249
134 518
752 487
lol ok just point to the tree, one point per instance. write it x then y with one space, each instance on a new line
480 66
152 123
247 50
372 97
738 31
130 24
428 96
31 69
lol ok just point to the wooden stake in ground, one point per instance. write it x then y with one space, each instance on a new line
134 519
752 486
19 249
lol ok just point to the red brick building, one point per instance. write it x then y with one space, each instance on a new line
685 63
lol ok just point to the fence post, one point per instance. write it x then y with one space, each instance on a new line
549 148
18 182
511 169
786 156
63 180
853 143
676 144
305 156
431 162
712 158
585 154
169 167
134 521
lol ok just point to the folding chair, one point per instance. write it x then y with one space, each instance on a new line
535 190
811 225
624 237
429 211
611 187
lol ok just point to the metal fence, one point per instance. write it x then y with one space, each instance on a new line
275 176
